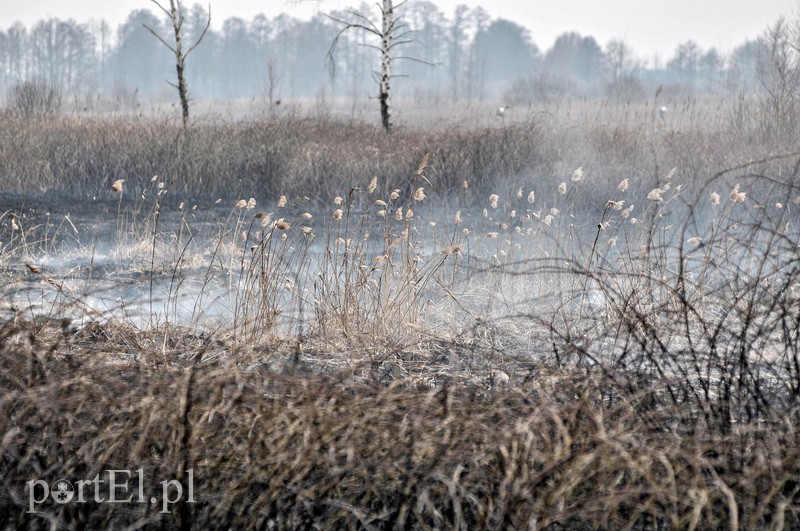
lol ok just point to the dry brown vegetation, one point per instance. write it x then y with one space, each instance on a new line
79 157
289 451
601 330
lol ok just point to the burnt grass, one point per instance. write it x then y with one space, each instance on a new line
314 432
291 449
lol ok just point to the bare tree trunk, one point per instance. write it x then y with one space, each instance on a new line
180 59
386 64
175 13
392 34
273 79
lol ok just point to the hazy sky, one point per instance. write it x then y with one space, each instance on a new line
649 26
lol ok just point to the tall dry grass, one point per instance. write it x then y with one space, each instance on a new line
600 332
286 450
81 156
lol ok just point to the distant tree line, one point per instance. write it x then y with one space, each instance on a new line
467 56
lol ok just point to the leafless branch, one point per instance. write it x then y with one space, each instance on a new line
200 38
329 57
164 9
157 36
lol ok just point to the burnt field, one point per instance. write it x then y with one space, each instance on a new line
567 320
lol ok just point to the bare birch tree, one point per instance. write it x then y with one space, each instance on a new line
391 33
175 14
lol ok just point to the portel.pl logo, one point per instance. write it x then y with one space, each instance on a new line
115 487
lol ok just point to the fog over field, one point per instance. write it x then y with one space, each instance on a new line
396 267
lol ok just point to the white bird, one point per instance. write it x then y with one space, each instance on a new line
662 113
501 112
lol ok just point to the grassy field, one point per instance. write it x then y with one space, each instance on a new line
582 317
